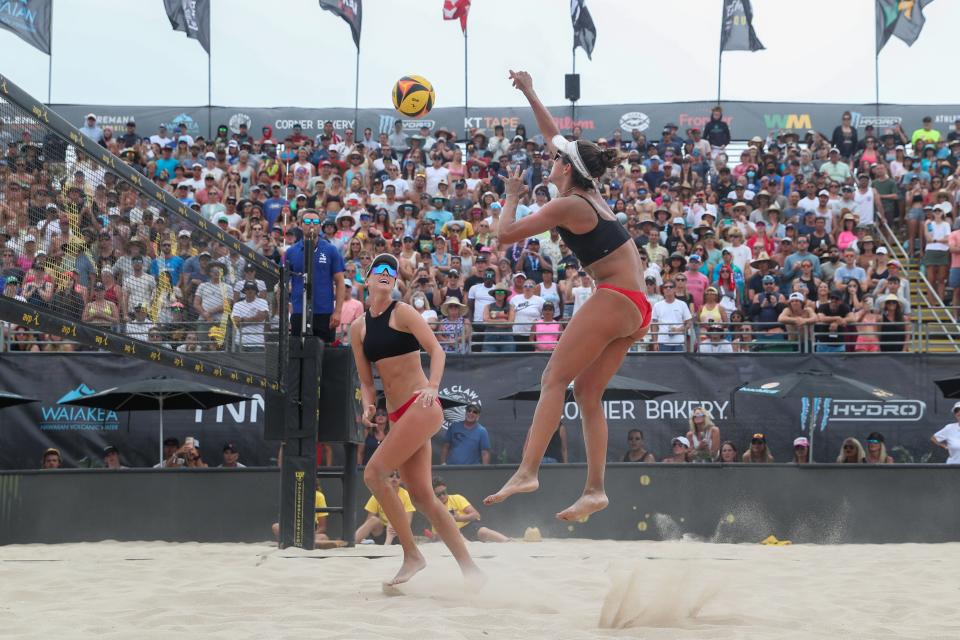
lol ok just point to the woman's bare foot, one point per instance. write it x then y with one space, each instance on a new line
409 568
521 482
474 579
589 502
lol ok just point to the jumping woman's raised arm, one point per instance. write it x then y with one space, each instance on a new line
548 128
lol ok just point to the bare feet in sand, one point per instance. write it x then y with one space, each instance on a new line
409 568
519 483
589 502
474 580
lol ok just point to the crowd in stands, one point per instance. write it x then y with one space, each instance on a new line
740 254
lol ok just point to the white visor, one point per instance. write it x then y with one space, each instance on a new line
572 151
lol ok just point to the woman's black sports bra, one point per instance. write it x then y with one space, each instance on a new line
383 341
604 238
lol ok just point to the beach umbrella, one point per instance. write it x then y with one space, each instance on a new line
159 394
619 388
949 387
816 388
8 399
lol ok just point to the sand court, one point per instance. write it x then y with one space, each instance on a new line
557 590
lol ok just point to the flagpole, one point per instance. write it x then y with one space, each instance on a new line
209 96
466 76
876 70
356 95
573 103
719 73
50 62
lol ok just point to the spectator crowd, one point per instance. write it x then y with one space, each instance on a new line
787 240
741 254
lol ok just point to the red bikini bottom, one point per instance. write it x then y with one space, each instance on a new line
636 297
396 415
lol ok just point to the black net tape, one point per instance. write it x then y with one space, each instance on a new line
98 253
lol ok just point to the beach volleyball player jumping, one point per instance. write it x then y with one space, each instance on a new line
390 336
595 341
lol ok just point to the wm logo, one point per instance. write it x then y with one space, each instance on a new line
787 121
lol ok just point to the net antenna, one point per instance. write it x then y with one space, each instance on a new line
100 254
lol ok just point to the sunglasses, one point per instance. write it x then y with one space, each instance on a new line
384 268
799 446
440 493
757 441
848 447
395 474
873 441
315 221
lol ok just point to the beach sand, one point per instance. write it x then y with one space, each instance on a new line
556 590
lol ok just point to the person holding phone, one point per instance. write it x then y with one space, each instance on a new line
605 325
389 336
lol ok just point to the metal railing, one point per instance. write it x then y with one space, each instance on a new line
493 337
942 316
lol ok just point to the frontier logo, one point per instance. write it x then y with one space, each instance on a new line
62 417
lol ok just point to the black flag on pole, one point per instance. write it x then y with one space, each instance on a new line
737 33
584 31
29 19
192 17
901 18
349 10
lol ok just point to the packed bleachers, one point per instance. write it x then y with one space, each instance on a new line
790 246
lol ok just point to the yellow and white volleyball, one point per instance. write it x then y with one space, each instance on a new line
413 96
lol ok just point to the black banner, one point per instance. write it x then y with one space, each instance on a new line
191 17
351 11
745 119
737 33
700 380
29 19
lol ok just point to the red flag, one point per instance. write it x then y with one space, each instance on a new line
453 9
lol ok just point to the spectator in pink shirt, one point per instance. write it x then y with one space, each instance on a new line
697 283
349 311
546 332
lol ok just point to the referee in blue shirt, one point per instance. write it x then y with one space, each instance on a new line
328 288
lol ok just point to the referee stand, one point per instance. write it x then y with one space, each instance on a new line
320 404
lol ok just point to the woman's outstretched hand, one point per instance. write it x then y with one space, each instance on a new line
521 80
514 185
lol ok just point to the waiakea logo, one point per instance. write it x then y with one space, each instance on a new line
61 417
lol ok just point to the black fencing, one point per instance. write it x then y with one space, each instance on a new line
117 260
700 380
818 504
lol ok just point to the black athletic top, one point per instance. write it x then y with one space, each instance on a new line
383 341
589 247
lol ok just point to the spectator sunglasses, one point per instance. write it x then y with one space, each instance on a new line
383 267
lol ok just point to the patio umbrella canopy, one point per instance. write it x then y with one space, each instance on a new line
12 400
817 385
619 388
814 383
159 394
949 387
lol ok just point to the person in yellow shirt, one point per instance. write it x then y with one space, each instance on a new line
927 134
465 515
376 523
320 524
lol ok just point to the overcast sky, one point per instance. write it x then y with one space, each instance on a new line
290 52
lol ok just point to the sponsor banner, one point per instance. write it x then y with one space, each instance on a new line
745 119
700 381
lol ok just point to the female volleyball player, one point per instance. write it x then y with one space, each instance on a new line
390 335
594 343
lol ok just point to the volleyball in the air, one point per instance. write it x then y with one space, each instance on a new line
413 96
